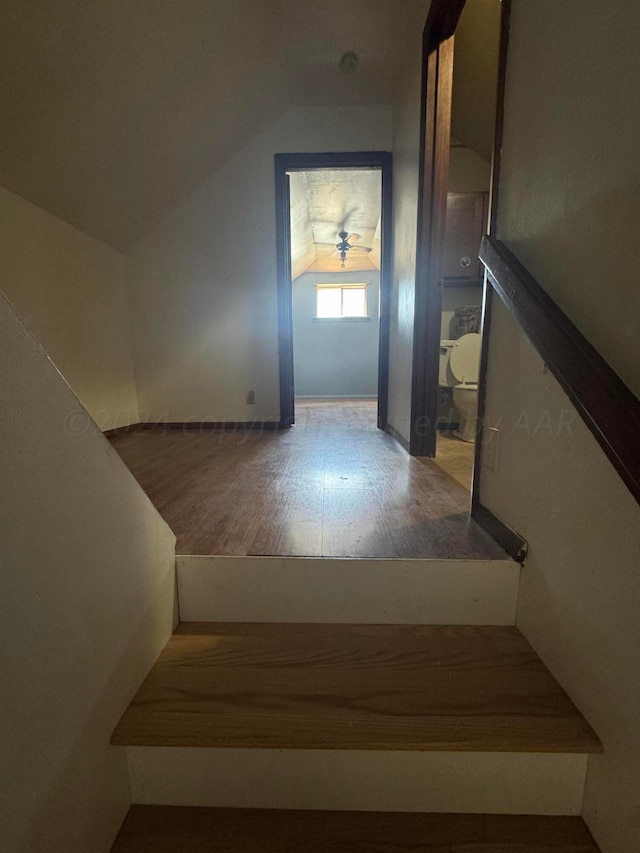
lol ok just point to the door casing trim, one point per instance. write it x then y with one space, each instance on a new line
303 162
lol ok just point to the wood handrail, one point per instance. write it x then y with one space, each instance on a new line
607 406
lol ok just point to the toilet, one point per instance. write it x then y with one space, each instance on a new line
459 367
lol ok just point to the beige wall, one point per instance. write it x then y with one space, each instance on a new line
571 168
70 291
87 603
475 75
468 172
406 155
205 280
568 210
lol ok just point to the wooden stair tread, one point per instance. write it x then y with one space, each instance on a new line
317 686
171 829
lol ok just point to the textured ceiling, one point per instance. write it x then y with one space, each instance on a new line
111 111
325 202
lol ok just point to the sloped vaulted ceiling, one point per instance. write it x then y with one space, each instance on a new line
322 203
111 111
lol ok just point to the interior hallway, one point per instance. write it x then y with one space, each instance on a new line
334 485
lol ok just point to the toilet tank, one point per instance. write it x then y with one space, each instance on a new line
445 379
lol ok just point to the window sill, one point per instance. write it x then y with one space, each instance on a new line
341 319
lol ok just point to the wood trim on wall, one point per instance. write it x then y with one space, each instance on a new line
607 406
435 142
301 162
285 297
514 545
386 273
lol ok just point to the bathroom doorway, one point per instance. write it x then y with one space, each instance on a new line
460 103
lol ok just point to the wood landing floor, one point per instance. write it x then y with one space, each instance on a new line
167 829
334 485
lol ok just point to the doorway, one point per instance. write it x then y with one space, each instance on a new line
463 63
333 215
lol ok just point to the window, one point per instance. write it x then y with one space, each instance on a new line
337 301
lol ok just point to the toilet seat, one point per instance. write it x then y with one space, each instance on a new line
464 361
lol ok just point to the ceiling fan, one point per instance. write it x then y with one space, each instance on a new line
346 245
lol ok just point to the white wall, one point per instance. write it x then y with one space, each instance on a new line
88 576
70 290
580 590
335 358
205 280
569 210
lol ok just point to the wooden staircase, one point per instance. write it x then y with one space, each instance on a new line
396 687
153 829
337 736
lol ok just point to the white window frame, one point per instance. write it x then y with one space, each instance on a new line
360 285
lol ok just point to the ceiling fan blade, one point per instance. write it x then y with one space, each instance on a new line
352 239
346 217
360 249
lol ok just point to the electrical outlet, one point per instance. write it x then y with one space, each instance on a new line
251 397
490 448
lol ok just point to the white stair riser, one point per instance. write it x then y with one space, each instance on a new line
280 589
472 782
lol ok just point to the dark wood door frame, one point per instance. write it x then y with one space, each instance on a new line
435 132
435 128
442 21
435 141
476 508
285 308
285 163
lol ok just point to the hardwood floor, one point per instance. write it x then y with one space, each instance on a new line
334 485
316 686
455 457
167 829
